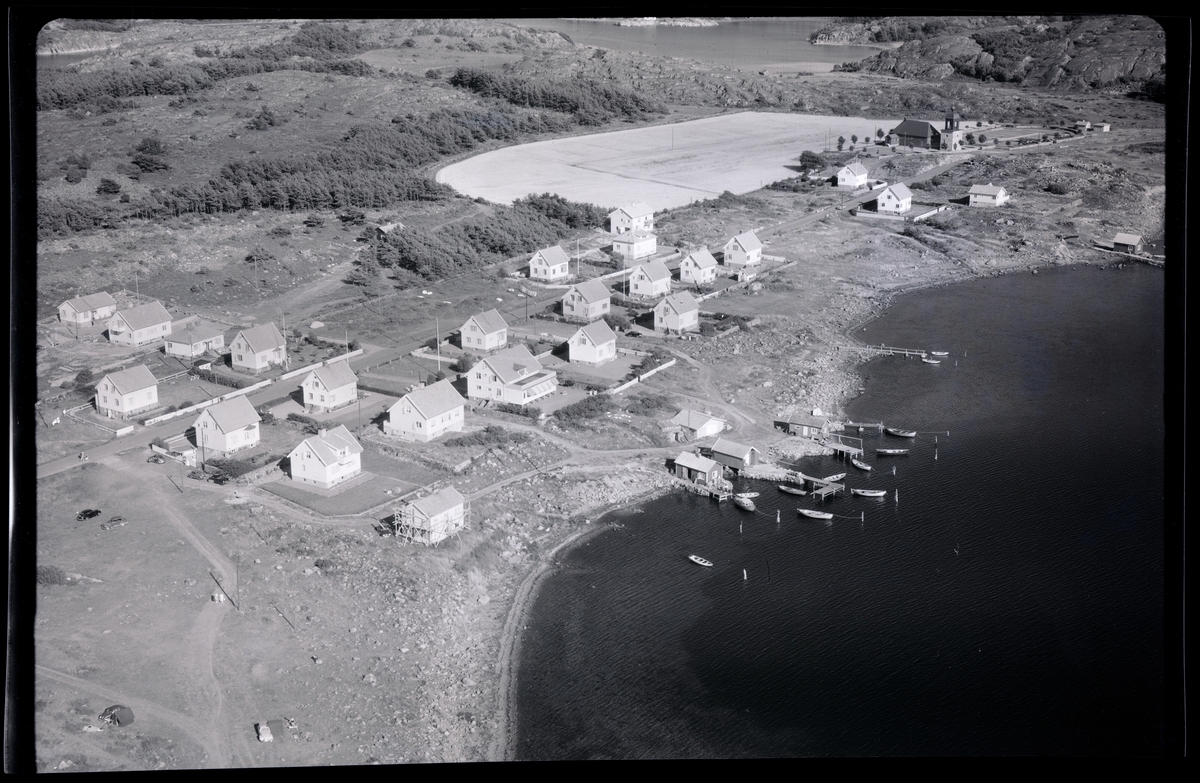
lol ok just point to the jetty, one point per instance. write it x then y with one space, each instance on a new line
888 350
716 493
824 489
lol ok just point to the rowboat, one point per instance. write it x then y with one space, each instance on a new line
745 494
815 514
834 477
700 560
940 353
931 361
901 433
746 504
791 490
891 451
860 465
870 493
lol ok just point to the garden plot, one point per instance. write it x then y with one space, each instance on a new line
665 166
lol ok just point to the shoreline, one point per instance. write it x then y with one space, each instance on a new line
502 746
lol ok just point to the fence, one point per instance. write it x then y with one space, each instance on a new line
202 405
311 367
640 378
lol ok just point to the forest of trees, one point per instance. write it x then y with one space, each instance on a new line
589 102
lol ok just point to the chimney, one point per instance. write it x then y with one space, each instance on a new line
321 433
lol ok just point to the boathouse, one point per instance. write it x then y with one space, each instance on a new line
1127 243
734 455
698 470
804 425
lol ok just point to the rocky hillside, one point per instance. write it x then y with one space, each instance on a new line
1101 53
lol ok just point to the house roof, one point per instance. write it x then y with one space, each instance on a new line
702 258
599 332
855 168
655 270
986 190
440 501
806 419
681 302
696 462
434 400
593 291
899 190
630 237
388 228
747 240
552 256
489 322
232 414
635 210
693 420
512 363
326 446
145 315
132 379
1127 239
196 332
265 337
82 304
914 128
335 375
731 449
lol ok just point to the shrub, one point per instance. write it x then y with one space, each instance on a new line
492 435
588 408
108 188
51 575
464 363
1058 188
160 442
528 411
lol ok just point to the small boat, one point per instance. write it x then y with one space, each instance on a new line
834 477
940 353
745 504
700 560
891 451
745 494
901 433
870 493
815 514
860 465
791 490
931 361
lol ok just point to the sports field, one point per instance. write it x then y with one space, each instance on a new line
664 166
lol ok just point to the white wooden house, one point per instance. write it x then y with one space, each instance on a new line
431 519
635 217
140 325
895 198
549 263
743 250
587 301
698 268
87 309
593 344
258 348
651 279
196 339
852 176
512 375
427 413
633 245
988 195
226 427
484 332
698 425
330 386
677 313
122 394
326 459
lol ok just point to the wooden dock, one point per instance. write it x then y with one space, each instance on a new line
701 489
887 350
825 489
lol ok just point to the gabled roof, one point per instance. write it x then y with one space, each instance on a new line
635 210
696 462
335 375
599 332
440 501
132 379
913 128
592 291
489 322
702 258
807 420
855 168
433 400
196 332
986 190
326 446
655 270
630 237
747 240
82 304
512 364
1127 239
552 256
693 420
265 337
731 449
681 302
232 414
899 190
145 315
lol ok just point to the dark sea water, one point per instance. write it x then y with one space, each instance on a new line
1009 603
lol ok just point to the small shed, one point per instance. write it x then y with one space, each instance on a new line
1127 243
697 469
734 455
804 425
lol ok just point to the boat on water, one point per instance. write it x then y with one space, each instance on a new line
700 560
870 493
860 465
815 514
939 353
834 477
891 451
745 504
745 494
900 433
791 490
931 361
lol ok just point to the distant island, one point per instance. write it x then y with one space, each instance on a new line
652 21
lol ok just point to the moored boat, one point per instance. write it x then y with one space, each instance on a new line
891 451
860 465
900 433
791 490
815 514
834 477
870 493
939 353
931 361
746 504
746 494
700 560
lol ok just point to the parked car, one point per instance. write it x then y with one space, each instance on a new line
157 459
198 475
87 513
221 478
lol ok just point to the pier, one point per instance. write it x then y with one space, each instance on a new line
887 350
700 489
826 488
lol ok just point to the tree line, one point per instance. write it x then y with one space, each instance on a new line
589 102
